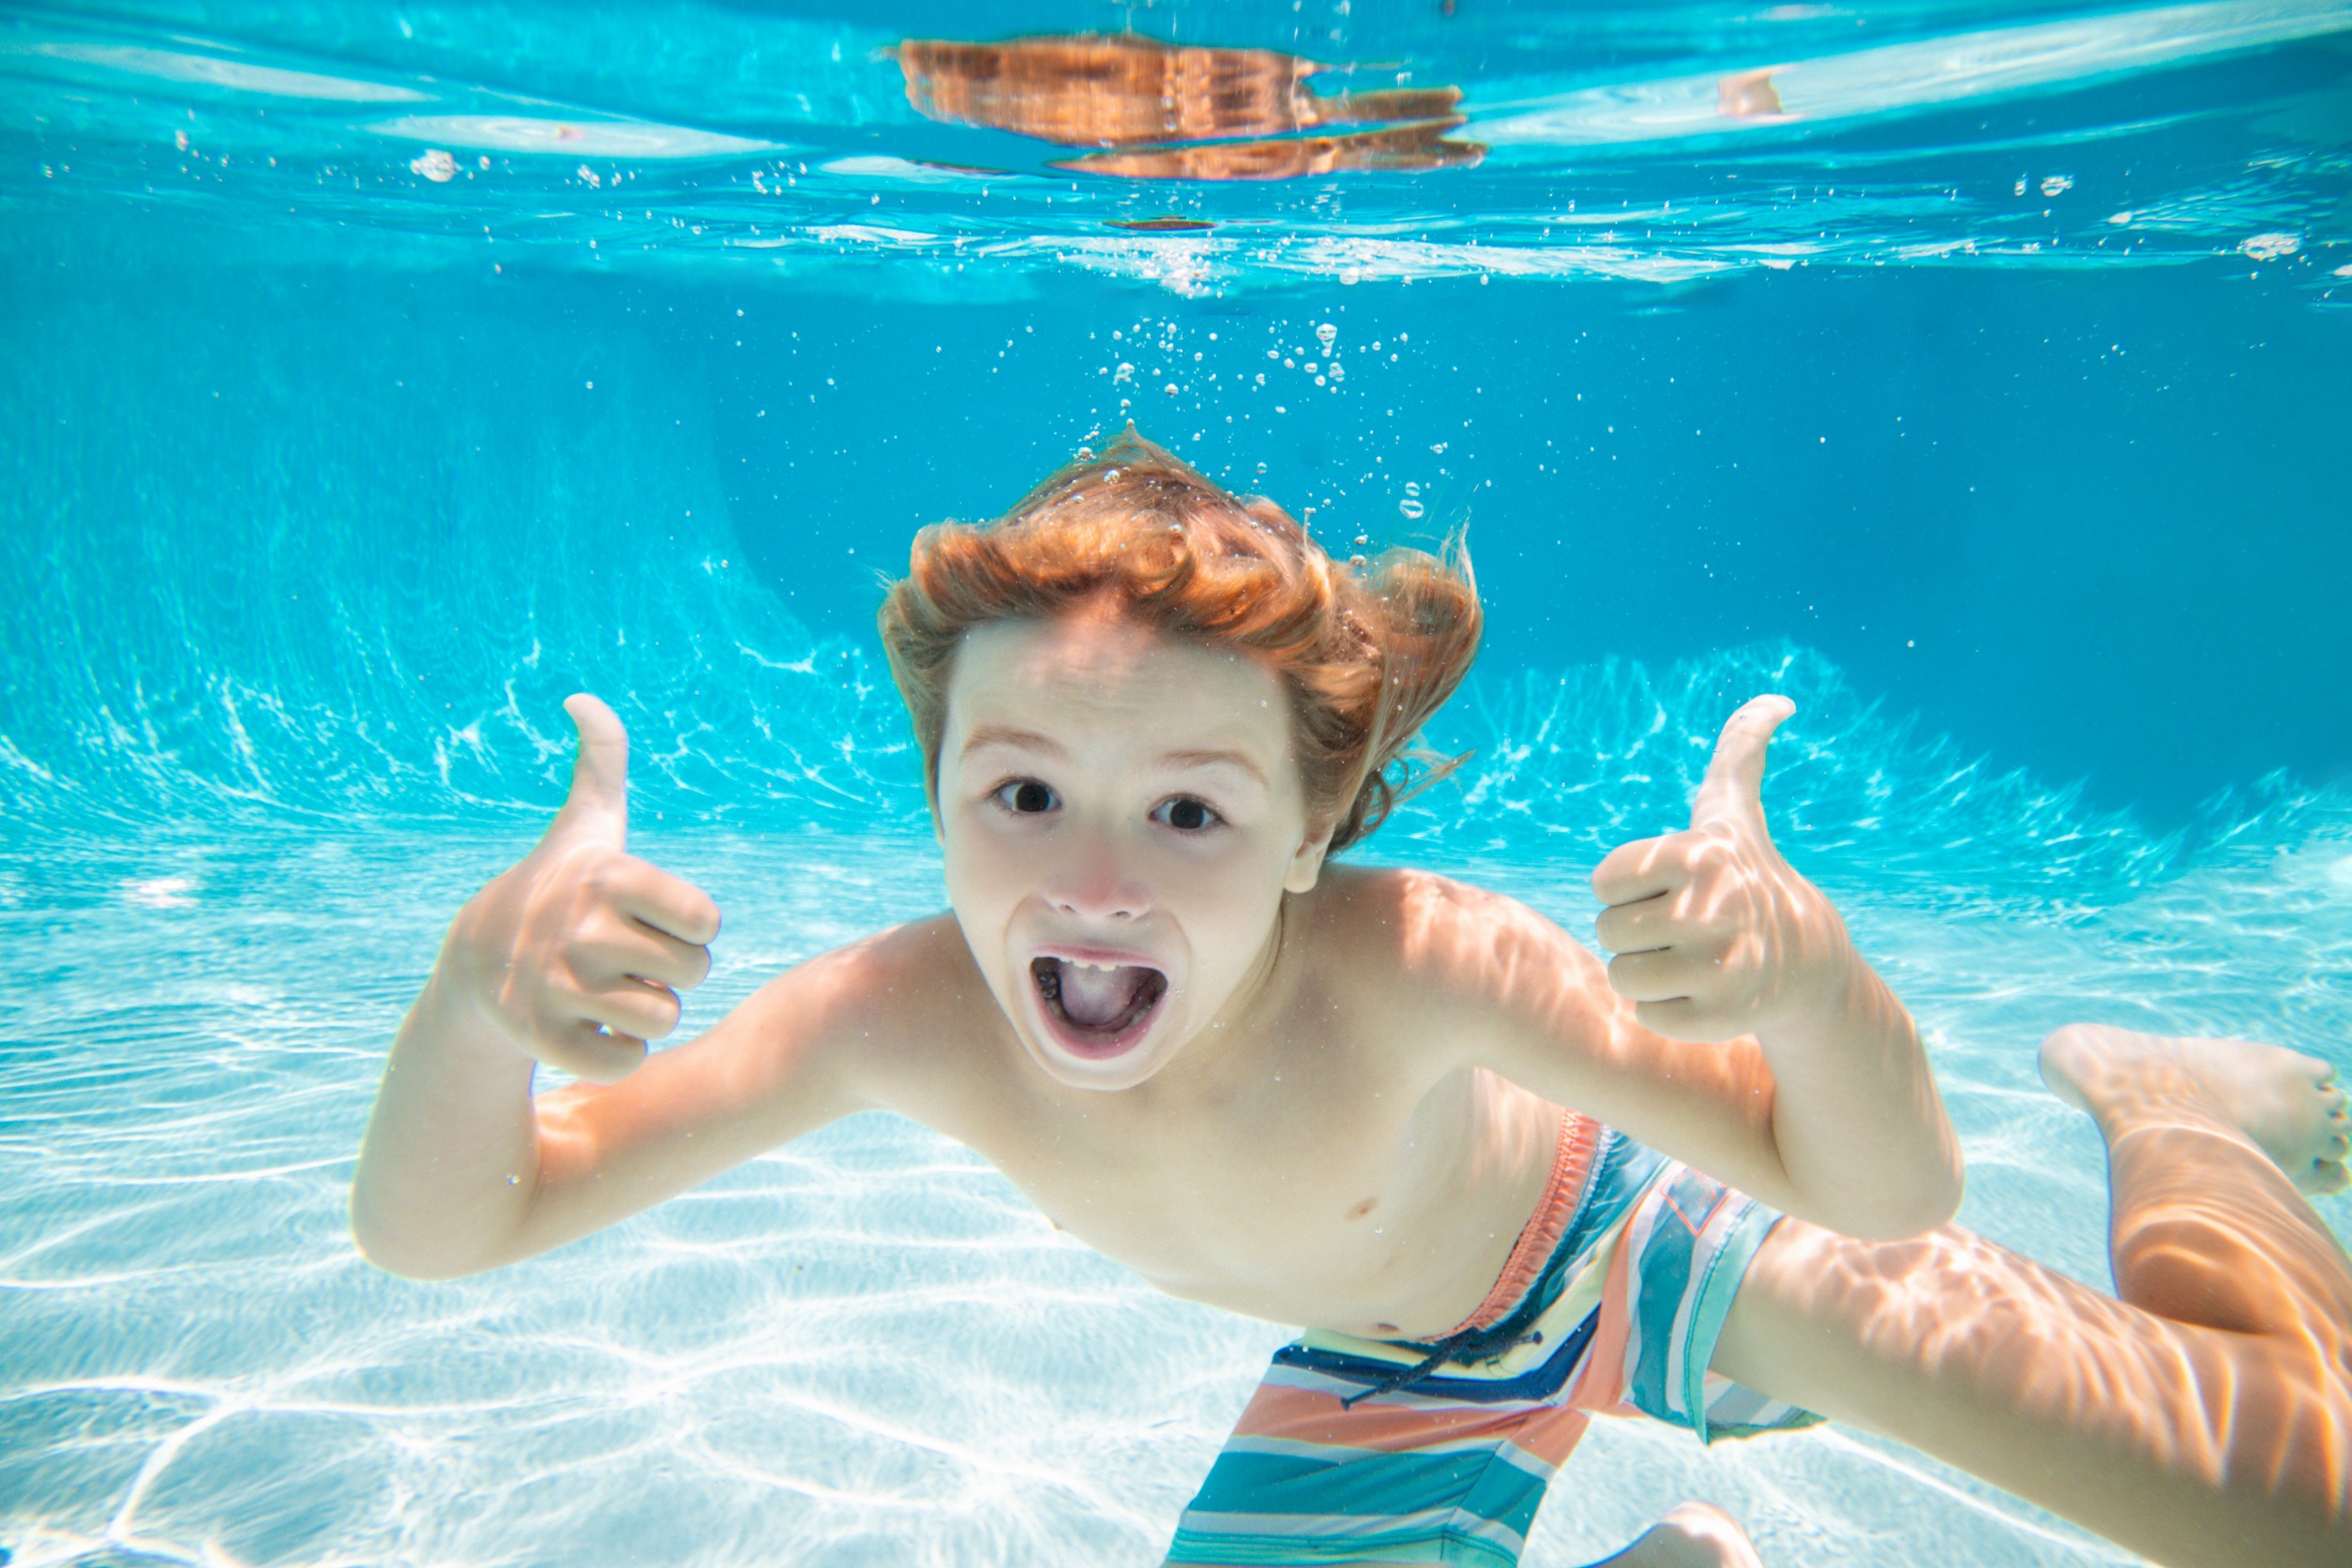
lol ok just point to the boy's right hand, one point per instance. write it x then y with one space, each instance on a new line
579 952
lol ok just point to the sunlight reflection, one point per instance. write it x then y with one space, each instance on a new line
1149 99
170 65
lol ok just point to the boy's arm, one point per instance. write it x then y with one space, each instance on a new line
464 1170
1815 1095
575 957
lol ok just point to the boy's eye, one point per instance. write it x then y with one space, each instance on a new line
1186 815
1026 796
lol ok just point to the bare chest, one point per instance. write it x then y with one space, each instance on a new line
1322 1190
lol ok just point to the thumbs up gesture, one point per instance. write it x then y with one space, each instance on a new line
579 952
1714 934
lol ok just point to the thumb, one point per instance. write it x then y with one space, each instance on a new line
599 800
1733 790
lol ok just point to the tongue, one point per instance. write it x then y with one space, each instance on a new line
1094 997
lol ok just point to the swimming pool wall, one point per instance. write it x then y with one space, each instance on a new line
329 538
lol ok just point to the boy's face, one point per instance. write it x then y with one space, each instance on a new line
1120 813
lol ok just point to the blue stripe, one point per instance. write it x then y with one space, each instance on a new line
1621 1172
1371 1486
1540 1381
1507 1494
1664 1265
1445 1546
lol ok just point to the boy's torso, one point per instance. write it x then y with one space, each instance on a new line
1332 1163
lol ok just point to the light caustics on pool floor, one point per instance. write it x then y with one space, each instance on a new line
866 1348
1298 148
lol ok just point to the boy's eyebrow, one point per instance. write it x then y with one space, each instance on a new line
1204 758
1004 734
1029 739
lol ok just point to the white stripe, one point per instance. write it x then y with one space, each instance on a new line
1431 1522
1313 1382
1467 1523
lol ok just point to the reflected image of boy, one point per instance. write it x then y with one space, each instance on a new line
1513 1186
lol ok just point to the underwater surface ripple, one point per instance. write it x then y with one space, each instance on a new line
1617 141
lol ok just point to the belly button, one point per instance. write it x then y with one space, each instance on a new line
1388 1328
1364 1207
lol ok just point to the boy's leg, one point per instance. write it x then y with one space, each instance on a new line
2206 1416
1691 1535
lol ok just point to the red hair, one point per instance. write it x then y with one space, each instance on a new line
1366 652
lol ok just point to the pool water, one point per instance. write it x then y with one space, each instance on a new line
1985 396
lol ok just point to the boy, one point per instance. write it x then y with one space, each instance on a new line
1148 711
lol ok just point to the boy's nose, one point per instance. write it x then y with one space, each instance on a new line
1093 885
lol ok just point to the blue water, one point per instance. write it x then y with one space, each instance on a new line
1989 401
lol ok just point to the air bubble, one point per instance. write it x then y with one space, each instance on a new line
1326 335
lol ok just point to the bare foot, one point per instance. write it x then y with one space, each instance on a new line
2287 1103
1691 1535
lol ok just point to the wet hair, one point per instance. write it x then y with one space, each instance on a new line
1367 651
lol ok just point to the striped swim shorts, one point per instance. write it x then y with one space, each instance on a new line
1438 1452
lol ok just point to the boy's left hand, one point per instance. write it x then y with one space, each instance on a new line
1714 934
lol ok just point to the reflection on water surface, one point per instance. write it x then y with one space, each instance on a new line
1610 140
1129 91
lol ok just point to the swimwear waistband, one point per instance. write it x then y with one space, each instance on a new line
1539 1238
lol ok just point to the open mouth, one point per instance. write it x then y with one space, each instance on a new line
1098 1009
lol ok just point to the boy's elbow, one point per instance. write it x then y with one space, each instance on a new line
407 1265
407 1255
1923 1206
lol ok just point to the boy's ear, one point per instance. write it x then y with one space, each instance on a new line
1306 865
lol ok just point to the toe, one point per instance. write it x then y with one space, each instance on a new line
2327 1177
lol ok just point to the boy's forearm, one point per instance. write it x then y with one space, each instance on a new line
1859 1127
450 1162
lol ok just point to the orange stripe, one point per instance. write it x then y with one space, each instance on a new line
1571 1158
1308 1415
1552 1435
1549 1433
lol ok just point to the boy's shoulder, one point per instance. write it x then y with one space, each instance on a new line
1432 974
1416 932
893 1019
907 988
1415 904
